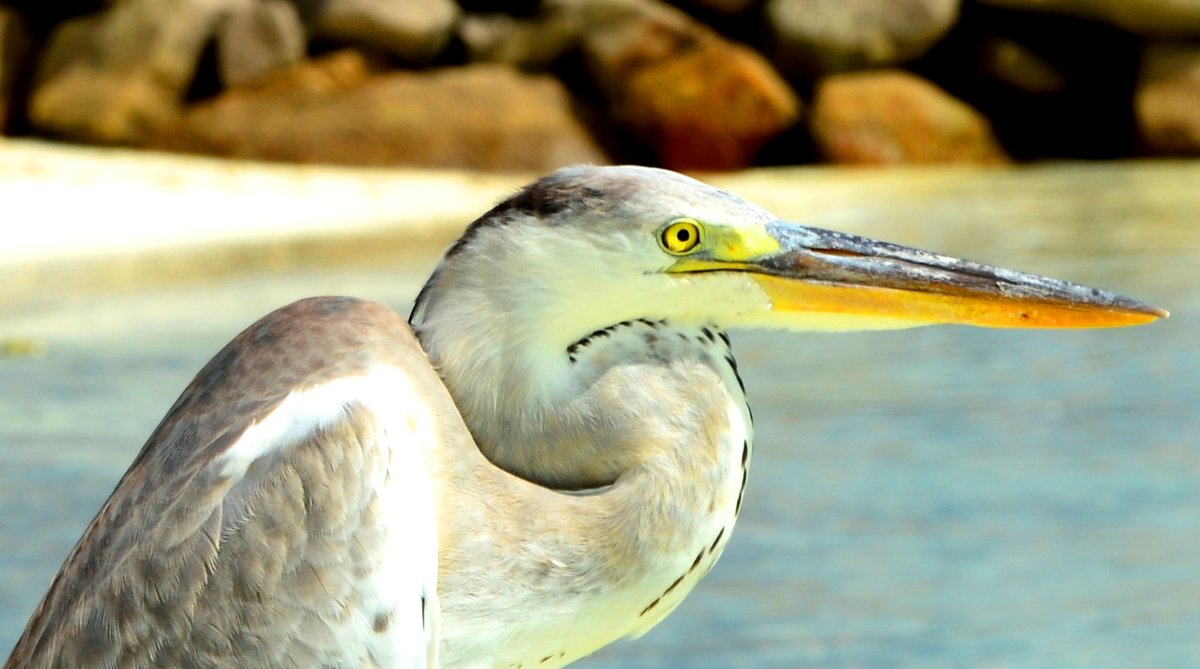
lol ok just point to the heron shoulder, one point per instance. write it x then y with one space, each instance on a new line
270 491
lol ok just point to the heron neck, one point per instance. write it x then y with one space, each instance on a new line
578 411
654 410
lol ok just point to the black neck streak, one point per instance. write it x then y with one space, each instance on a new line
576 348
661 341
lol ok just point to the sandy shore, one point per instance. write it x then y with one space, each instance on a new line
77 218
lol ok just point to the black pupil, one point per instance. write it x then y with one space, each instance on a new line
683 235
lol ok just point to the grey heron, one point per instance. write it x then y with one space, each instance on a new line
546 457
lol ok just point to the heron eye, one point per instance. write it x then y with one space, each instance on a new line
681 236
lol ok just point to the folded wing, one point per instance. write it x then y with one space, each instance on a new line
280 515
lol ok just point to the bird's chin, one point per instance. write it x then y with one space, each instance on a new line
750 299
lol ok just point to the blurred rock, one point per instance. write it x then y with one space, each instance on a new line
1016 66
114 76
15 48
1167 100
1145 17
723 6
890 117
533 43
415 30
698 100
815 37
336 110
257 38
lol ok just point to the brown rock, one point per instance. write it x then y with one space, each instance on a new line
1144 17
335 110
416 30
889 117
1167 99
114 76
15 47
814 37
698 100
257 38
527 43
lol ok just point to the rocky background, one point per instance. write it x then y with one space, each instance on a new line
534 84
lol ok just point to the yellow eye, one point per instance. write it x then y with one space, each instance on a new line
681 236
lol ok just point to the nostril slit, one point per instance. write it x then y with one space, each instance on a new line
838 252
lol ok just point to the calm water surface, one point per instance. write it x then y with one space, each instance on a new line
943 497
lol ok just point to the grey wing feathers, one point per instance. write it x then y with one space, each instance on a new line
278 516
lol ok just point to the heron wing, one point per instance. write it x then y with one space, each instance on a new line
280 515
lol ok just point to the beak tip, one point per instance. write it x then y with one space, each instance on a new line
1148 310
1131 312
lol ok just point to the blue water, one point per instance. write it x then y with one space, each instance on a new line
944 497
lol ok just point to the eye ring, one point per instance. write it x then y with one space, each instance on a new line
680 236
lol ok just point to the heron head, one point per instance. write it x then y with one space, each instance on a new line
588 246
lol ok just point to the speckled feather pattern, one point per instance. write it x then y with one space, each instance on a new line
186 567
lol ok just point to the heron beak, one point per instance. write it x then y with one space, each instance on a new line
827 272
